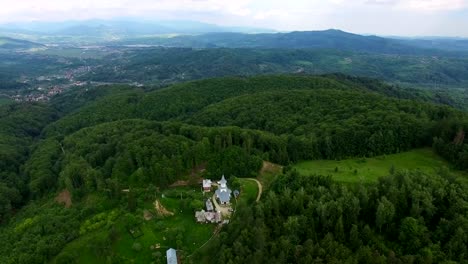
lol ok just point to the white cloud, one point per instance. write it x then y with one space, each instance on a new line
409 17
434 5
76 9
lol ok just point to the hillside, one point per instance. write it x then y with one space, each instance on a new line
183 100
90 171
13 44
328 39
169 65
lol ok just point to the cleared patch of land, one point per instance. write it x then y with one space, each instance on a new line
368 170
268 172
249 191
160 232
64 197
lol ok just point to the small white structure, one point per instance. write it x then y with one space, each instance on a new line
209 205
171 255
200 216
207 185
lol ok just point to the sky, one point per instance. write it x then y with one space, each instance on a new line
381 17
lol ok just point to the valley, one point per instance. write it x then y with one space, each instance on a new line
140 142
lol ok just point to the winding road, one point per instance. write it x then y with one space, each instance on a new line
260 188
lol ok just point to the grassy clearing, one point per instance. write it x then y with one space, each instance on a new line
249 191
178 231
370 169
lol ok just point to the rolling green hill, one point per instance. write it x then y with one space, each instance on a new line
83 173
169 65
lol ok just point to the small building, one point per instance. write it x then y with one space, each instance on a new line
208 217
171 255
207 185
209 205
236 193
200 216
223 193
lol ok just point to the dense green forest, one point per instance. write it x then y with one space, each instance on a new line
19 125
88 145
181 101
407 217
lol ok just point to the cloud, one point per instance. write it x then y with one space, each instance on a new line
397 17
434 5
381 2
83 9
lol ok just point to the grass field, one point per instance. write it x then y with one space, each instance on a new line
160 232
370 169
249 191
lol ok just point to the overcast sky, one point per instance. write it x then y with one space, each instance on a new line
383 17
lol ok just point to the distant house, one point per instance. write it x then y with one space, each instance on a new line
171 255
207 185
223 193
209 205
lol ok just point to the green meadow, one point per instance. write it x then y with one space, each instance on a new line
153 237
368 170
156 235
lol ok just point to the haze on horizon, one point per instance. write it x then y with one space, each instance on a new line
382 17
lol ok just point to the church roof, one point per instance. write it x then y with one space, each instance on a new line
223 180
225 196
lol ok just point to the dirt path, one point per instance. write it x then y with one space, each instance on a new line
260 188
224 210
161 210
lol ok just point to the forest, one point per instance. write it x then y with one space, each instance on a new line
88 145
407 217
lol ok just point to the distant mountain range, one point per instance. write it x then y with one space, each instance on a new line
11 43
329 39
193 34
121 28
